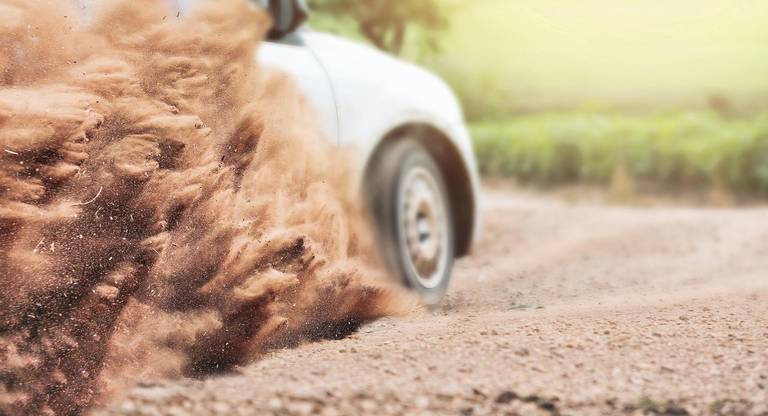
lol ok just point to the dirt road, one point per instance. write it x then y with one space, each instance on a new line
564 309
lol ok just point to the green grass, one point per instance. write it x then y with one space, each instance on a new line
673 150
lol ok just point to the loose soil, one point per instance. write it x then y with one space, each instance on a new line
563 309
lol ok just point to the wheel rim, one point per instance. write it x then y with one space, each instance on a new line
423 227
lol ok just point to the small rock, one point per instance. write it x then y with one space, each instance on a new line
275 404
128 407
523 352
506 397
422 402
477 392
547 405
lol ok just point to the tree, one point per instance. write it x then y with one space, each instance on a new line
385 23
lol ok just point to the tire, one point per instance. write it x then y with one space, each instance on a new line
410 205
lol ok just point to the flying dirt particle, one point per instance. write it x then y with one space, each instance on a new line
90 201
167 208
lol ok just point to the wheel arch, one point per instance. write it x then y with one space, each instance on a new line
455 172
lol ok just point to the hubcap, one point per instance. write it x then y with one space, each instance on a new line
423 223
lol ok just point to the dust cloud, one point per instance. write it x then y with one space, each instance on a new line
167 207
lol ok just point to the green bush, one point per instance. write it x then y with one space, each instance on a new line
671 150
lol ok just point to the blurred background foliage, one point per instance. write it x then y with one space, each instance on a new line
388 25
668 93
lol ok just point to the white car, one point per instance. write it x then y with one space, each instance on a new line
421 177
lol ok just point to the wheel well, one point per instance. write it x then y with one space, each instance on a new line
454 172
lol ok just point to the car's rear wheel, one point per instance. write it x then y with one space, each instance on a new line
409 202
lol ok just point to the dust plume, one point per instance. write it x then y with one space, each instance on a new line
167 207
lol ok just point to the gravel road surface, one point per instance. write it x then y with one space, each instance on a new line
582 309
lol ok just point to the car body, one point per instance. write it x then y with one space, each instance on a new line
403 120
367 99
364 97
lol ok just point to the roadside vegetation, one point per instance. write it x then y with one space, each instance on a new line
668 151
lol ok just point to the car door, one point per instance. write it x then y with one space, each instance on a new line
291 55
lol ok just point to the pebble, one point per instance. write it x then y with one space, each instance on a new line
275 404
128 407
422 402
